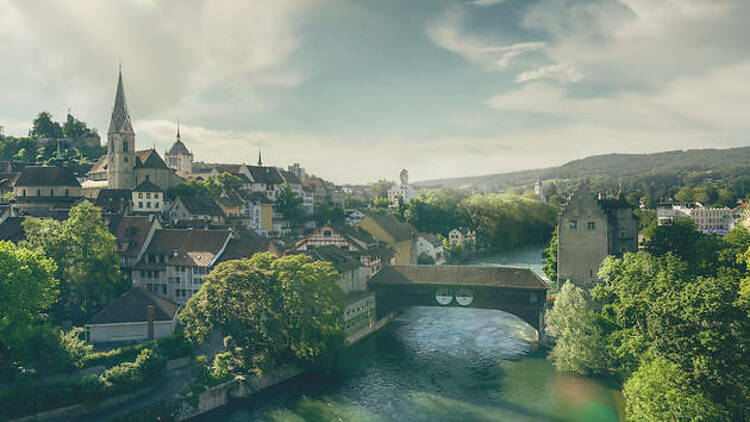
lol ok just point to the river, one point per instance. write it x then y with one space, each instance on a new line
438 364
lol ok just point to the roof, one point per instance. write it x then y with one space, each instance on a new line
356 235
268 175
112 200
147 186
432 239
131 234
178 148
47 176
290 177
100 165
149 159
391 225
342 259
201 205
188 247
517 278
228 202
245 244
12 229
120 121
132 306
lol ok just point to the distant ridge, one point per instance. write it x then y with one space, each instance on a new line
609 168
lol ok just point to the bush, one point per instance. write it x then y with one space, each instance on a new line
172 346
127 377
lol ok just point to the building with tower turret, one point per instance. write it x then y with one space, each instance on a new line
539 190
178 157
123 168
404 191
591 227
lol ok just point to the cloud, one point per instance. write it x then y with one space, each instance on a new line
447 32
487 2
178 55
564 72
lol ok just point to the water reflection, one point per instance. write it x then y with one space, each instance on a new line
436 364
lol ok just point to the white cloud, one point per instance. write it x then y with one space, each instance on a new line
447 32
563 72
487 2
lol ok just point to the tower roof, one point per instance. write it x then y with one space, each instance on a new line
120 121
178 148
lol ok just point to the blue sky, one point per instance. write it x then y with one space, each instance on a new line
357 90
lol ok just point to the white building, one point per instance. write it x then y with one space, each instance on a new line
179 158
135 316
147 197
708 220
539 190
430 245
404 190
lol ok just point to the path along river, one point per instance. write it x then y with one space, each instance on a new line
439 364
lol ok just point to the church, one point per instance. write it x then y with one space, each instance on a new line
124 168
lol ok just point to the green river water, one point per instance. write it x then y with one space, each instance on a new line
439 364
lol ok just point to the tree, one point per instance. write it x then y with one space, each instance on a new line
698 250
660 391
580 343
229 181
380 188
75 129
289 204
424 259
550 258
274 310
209 187
87 265
27 291
44 127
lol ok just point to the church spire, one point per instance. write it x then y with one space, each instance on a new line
260 162
178 131
120 122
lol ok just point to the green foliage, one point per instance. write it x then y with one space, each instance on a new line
550 258
424 259
87 265
229 181
26 398
668 329
436 211
505 222
28 289
580 342
45 127
698 250
274 310
209 187
380 188
172 346
289 204
660 391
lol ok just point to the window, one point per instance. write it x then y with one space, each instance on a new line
147 177
327 233
148 195
125 146
573 224
156 205
38 192
51 192
24 192
67 191
148 204
125 159
140 204
591 225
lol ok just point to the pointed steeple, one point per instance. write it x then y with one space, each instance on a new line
260 162
120 122
178 131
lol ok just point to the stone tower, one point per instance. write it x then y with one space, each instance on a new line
120 144
539 190
178 157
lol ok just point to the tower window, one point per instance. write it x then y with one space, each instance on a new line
591 225
125 146
38 192
126 159
147 177
573 224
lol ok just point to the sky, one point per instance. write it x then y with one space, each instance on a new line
356 90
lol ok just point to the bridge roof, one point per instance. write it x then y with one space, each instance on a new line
510 277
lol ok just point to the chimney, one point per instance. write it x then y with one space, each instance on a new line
150 320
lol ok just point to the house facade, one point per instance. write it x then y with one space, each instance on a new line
400 236
40 189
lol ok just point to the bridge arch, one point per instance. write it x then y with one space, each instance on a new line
518 291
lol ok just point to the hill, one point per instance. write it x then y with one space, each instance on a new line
610 169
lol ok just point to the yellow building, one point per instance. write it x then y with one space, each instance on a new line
400 236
